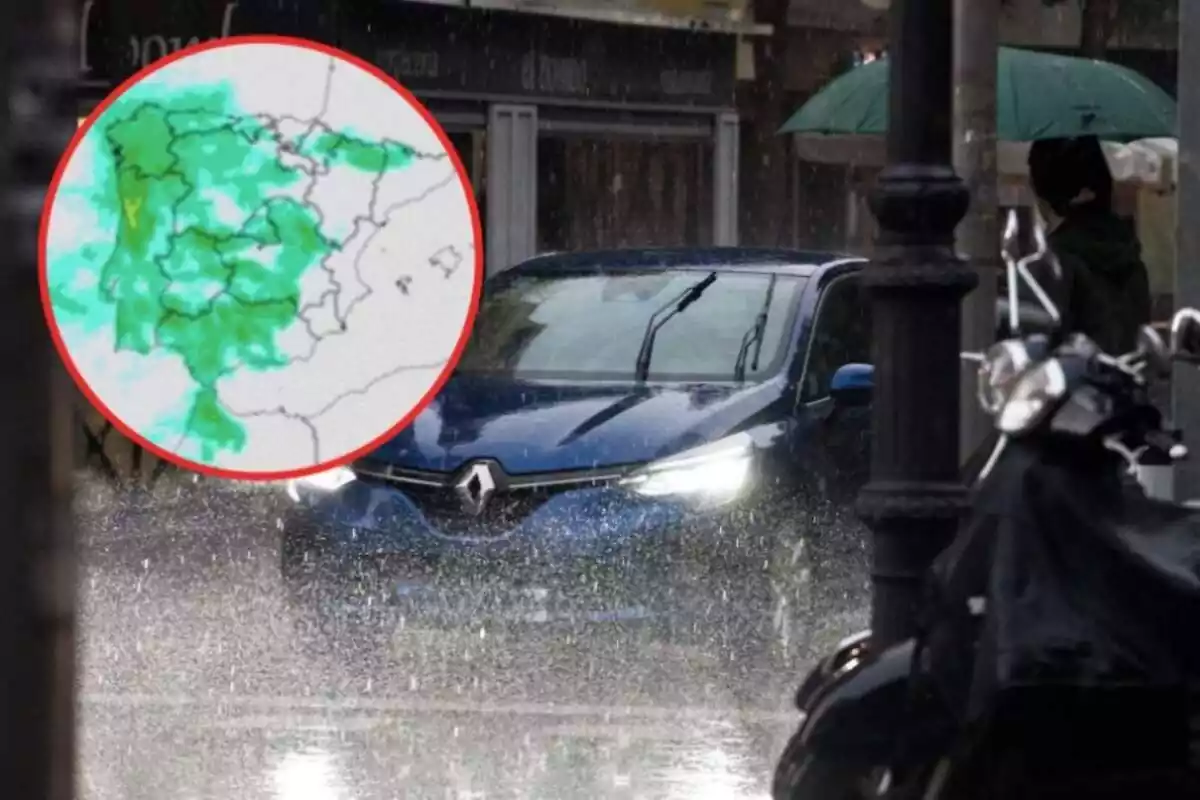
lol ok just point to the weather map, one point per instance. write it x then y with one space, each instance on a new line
260 257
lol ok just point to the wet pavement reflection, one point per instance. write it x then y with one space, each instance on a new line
201 680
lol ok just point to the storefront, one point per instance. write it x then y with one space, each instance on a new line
577 134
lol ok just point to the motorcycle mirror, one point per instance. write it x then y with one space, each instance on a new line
1043 252
1185 335
1010 244
1043 244
1010 250
1017 270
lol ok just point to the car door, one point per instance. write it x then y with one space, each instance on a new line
840 437
836 454
820 574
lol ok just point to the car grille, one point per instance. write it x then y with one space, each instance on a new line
514 499
505 510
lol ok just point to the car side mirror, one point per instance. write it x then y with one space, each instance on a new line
852 385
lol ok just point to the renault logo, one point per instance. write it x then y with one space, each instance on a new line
475 487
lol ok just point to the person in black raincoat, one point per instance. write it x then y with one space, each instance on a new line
1102 289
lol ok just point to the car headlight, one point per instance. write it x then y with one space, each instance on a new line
711 475
321 482
1032 396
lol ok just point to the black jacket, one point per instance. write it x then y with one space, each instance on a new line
1102 289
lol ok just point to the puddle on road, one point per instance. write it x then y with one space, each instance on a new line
269 710
378 757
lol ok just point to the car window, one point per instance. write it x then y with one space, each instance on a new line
841 334
591 326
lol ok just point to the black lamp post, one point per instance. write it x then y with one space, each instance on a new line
38 61
916 284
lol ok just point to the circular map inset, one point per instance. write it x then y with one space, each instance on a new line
259 258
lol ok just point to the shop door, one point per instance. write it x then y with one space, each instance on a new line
596 191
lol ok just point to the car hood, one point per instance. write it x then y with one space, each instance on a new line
542 427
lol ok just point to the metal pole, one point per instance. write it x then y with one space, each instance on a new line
1185 383
37 570
976 34
916 284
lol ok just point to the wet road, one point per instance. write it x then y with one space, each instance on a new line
199 679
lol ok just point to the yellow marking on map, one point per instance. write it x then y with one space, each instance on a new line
132 206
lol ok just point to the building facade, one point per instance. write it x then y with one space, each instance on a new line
577 133
609 123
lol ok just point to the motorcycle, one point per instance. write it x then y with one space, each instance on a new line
1054 613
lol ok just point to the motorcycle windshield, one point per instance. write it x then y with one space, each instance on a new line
1087 584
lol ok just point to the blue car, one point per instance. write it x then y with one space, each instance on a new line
626 432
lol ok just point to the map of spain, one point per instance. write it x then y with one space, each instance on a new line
260 258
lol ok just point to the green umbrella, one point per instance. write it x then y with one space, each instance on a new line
1038 96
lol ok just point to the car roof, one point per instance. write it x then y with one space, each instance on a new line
804 263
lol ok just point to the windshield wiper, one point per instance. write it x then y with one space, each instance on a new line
661 317
755 335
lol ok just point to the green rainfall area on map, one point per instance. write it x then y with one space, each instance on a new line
202 234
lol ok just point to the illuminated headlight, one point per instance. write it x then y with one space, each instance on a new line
321 482
1032 397
710 475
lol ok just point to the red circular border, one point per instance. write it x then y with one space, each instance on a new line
52 192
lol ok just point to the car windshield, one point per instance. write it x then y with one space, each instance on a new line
591 326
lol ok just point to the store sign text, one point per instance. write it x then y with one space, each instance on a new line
553 75
145 50
408 64
548 58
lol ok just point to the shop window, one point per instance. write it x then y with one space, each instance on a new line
470 146
596 193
